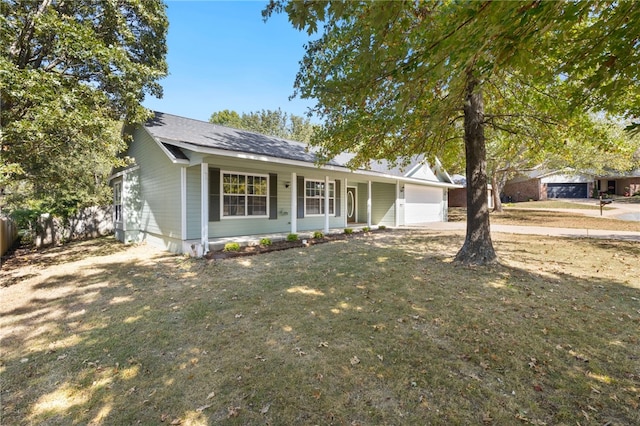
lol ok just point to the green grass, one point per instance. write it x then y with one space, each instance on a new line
383 330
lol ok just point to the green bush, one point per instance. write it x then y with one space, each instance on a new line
292 237
366 229
265 242
348 231
318 235
232 247
382 227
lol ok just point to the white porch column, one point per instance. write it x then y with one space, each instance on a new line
326 204
183 202
204 207
397 205
369 204
343 204
294 203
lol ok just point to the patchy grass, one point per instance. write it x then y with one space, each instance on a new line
556 219
379 330
553 219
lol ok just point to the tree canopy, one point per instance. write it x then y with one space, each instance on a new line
395 79
72 72
268 122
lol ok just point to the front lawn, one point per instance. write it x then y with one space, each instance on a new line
558 219
379 329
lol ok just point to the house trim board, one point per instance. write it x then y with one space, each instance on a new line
296 163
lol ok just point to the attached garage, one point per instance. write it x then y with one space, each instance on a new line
567 190
422 204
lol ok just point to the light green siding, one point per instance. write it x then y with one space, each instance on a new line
383 197
194 203
363 194
383 204
235 226
244 226
159 186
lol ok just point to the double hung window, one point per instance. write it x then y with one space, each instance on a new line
244 195
314 195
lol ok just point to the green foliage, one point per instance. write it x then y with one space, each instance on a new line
318 235
227 118
382 227
232 247
268 122
292 237
366 229
396 79
265 241
67 87
348 231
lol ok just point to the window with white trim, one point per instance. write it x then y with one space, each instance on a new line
314 193
244 195
117 202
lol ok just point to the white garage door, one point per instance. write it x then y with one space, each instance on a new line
422 204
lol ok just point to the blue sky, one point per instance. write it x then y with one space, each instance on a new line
222 55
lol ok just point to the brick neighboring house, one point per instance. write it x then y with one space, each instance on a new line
543 184
539 185
458 196
624 184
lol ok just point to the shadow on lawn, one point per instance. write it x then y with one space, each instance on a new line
164 339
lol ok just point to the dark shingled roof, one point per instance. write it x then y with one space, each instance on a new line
168 129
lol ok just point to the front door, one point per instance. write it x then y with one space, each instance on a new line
351 204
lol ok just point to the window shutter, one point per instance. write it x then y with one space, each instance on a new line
214 195
300 203
336 190
273 196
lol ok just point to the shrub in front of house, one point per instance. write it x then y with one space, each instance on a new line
366 229
265 242
232 247
382 227
292 237
318 235
348 231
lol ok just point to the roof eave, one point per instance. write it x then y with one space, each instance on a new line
296 163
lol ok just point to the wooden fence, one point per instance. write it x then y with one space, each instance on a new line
8 234
88 223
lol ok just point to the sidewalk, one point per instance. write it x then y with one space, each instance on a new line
537 230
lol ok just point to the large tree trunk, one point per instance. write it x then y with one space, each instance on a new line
477 248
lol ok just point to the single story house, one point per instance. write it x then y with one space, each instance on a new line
190 182
540 184
623 184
